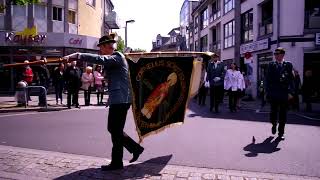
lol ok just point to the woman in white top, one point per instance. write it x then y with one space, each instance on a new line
87 83
233 84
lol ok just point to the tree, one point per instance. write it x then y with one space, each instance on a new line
138 50
17 2
120 44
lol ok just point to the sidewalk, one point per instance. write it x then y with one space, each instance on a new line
21 163
8 103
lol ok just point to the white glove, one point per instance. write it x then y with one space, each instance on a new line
71 56
216 79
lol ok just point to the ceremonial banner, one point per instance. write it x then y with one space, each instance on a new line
161 86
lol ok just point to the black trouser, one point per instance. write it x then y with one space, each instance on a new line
74 93
87 94
202 95
233 97
216 96
279 114
296 102
116 122
58 91
99 94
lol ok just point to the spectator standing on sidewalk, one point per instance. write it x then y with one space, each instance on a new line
98 78
242 89
215 76
43 80
232 84
119 99
297 90
308 90
280 90
59 82
87 84
73 82
27 76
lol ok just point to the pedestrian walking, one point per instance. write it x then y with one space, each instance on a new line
215 76
297 90
308 90
204 85
73 83
87 80
98 83
279 89
120 99
233 84
59 82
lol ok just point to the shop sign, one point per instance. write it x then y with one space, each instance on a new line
254 46
318 39
75 41
27 36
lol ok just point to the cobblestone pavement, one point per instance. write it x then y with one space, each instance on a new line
21 163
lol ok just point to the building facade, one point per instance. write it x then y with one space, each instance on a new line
263 25
186 22
173 42
52 28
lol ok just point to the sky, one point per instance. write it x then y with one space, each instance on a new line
152 17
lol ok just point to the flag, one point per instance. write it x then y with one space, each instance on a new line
161 86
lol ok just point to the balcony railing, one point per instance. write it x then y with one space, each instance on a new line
215 46
312 20
266 27
214 16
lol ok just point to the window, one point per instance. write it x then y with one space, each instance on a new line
228 5
71 17
196 46
266 25
57 14
204 43
312 14
196 23
229 30
39 11
216 10
173 39
158 42
91 3
19 10
2 6
247 27
204 19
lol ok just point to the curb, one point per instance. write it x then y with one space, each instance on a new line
39 109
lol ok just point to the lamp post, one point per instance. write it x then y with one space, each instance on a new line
126 33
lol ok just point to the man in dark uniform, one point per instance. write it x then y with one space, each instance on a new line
73 82
119 99
215 75
279 89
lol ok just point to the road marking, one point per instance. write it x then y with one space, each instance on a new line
32 113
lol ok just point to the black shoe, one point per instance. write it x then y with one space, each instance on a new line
111 167
69 107
136 155
77 106
274 129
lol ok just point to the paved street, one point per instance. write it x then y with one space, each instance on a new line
221 141
21 164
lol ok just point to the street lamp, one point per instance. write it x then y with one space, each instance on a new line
126 35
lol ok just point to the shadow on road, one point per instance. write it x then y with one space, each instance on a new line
266 147
152 167
242 115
